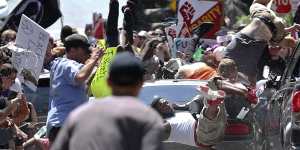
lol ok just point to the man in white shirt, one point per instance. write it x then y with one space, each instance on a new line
181 127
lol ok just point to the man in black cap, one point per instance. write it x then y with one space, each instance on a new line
68 81
118 122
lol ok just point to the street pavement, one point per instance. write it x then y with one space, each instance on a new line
274 145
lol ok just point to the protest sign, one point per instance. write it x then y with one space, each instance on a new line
185 45
99 87
171 35
283 6
192 13
32 42
210 42
182 32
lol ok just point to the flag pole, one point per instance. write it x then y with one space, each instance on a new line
62 16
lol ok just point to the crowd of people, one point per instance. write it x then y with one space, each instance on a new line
118 121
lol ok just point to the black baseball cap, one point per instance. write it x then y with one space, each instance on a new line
126 69
77 40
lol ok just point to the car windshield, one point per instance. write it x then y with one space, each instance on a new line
175 93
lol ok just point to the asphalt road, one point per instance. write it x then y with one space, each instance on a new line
274 145
176 146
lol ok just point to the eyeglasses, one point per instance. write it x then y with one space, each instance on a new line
274 47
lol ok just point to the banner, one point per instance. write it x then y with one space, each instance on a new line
185 45
192 13
43 12
182 31
99 87
171 35
33 40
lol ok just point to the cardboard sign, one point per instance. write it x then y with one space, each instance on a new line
171 35
192 13
99 87
33 40
185 45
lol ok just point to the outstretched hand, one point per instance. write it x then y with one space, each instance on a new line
97 53
294 28
297 27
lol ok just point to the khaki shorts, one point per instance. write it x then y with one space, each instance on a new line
211 132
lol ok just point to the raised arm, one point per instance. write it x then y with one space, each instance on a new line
128 25
293 28
112 24
87 69
229 87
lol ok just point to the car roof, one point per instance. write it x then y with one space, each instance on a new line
174 82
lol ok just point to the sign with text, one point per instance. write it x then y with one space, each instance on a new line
283 6
185 45
33 40
171 35
192 13
99 87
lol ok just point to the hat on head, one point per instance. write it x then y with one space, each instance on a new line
66 31
77 40
143 34
126 69
159 32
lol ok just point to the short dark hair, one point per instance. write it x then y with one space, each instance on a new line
4 58
7 69
126 70
77 41
154 103
65 32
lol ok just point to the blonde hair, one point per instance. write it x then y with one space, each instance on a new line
8 31
8 35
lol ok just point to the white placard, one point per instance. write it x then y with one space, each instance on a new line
171 35
33 40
